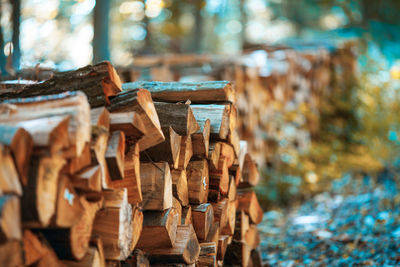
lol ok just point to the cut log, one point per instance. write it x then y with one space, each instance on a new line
128 122
186 152
234 140
232 189
88 180
237 253
219 119
20 144
73 104
98 146
131 179
186 215
156 186
68 207
11 254
208 255
227 153
177 208
250 175
98 82
179 116
198 180
196 92
138 259
72 243
100 117
213 233
202 218
200 140
229 227
168 151
222 246
76 164
179 186
140 101
185 250
9 181
247 201
252 237
39 198
219 179
94 256
33 248
242 224
50 134
137 227
10 220
221 213
159 229
115 155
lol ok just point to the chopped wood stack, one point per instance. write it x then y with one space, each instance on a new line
103 175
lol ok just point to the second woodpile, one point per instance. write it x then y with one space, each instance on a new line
99 173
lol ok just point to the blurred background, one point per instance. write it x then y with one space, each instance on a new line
358 125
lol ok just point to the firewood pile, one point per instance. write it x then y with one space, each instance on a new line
99 173
280 89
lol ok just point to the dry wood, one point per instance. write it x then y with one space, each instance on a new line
250 175
100 117
222 246
179 116
10 220
98 146
94 256
88 180
156 186
227 153
219 178
115 155
221 213
73 104
159 229
247 201
234 140
229 227
252 237
208 255
39 198
98 82
202 218
138 259
33 248
198 180
255 259
200 140
76 164
11 254
242 224
68 207
131 179
185 250
9 181
180 186
186 152
232 189
128 122
177 208
72 243
186 215
213 233
200 92
237 253
140 101
218 115
169 150
20 144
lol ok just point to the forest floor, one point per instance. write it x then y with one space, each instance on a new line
356 222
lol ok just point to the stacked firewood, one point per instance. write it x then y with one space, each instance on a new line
99 173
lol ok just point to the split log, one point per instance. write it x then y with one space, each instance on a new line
252 237
218 115
208 255
159 229
229 227
185 250
234 140
39 198
100 117
72 243
202 218
255 259
197 179
227 153
94 256
33 248
88 180
200 141
115 155
11 254
98 146
237 253
10 220
242 224
140 101
156 186
177 208
68 207
247 201
213 233
222 246
138 259
76 164
180 186
9 180
186 215
219 178
128 122
185 152
168 151
197 92
250 175
20 144
74 104
232 189
98 82
221 213
131 180
179 116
